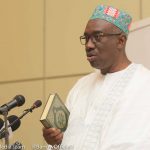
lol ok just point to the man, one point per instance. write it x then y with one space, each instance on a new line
110 108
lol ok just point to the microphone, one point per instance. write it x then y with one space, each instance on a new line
15 121
13 126
18 100
16 125
1 123
36 104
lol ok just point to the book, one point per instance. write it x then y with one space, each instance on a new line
55 114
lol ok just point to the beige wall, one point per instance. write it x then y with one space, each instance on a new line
138 42
41 53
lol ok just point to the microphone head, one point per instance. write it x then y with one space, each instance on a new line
16 125
20 100
37 103
1 123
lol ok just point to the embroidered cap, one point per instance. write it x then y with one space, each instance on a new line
115 16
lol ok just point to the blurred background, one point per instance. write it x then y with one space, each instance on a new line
40 52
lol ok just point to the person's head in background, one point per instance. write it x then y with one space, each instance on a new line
105 39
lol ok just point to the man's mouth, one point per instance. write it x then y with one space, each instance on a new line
91 57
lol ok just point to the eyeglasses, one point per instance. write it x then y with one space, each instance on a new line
96 37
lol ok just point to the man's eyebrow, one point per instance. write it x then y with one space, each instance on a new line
94 32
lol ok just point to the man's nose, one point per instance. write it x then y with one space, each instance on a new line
90 44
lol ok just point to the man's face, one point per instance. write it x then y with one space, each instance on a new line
102 53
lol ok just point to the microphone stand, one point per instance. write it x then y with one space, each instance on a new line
5 113
26 111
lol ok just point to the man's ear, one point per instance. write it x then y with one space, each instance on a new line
121 41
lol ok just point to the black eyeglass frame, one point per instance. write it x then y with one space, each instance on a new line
96 37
